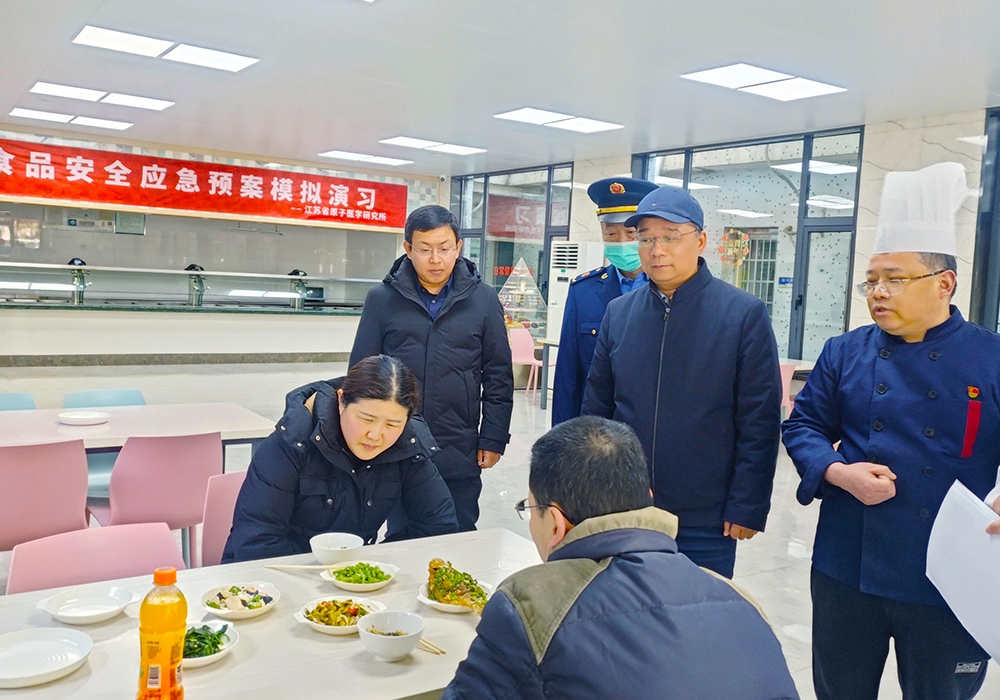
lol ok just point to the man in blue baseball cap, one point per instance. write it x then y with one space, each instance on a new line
690 362
589 294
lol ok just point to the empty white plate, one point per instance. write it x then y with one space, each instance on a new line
76 607
35 656
84 417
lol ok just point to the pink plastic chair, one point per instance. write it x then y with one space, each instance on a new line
162 479
220 502
93 554
43 491
522 350
787 402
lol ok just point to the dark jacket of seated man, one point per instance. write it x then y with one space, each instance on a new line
303 481
616 612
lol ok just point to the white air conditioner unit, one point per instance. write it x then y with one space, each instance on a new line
569 259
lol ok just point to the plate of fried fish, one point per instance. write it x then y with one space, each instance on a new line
452 591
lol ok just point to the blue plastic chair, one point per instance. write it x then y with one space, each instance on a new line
16 401
96 398
99 464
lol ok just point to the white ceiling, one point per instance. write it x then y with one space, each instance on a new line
343 74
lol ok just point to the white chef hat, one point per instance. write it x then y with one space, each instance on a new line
918 210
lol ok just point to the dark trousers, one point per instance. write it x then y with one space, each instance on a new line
936 658
465 493
709 548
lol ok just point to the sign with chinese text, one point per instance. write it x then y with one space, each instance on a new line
105 177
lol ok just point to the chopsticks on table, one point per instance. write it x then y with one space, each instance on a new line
303 566
431 647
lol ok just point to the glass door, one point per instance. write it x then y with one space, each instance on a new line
821 292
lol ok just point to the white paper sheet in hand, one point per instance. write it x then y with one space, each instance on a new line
964 563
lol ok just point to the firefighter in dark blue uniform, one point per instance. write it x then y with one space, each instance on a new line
890 417
589 294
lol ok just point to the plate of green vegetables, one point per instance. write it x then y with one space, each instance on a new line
360 576
207 642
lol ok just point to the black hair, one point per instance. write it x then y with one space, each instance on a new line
590 466
935 262
381 377
429 218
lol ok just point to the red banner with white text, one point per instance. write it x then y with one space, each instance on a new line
105 177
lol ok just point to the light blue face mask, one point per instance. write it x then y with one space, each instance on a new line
624 255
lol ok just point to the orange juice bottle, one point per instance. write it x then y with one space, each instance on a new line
162 624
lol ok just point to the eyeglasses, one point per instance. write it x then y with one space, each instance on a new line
890 287
522 506
666 241
428 252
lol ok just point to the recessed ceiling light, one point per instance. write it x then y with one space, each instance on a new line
117 98
531 115
121 41
677 182
975 140
456 150
209 58
818 166
380 160
44 116
793 89
737 75
101 123
75 93
345 155
584 125
246 293
743 213
408 142
364 158
830 201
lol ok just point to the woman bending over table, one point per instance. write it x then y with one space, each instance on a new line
343 455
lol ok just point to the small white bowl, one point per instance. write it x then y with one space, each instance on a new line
391 648
388 569
265 588
424 596
83 417
76 607
335 547
227 644
370 605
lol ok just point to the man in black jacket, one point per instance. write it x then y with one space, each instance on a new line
434 312
691 364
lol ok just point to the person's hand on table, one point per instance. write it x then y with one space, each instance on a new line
994 528
737 532
869 483
487 459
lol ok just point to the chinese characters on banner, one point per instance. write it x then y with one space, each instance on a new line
103 177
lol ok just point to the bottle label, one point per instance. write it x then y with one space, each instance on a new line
160 671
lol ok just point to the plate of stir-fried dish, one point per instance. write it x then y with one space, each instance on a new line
452 591
337 615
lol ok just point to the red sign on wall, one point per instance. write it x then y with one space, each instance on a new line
104 177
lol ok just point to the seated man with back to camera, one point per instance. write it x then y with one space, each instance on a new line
615 611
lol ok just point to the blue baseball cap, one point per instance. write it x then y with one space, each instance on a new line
617 197
670 203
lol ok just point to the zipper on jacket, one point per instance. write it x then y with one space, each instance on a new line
656 406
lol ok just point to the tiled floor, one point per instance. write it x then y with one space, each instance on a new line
774 566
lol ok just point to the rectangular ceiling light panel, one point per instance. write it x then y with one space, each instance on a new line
737 75
121 41
584 125
117 98
74 93
101 123
209 58
530 115
456 150
793 89
409 142
43 116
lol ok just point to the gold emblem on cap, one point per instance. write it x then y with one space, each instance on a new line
617 188
604 276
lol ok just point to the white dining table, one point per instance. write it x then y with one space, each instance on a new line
276 656
238 425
